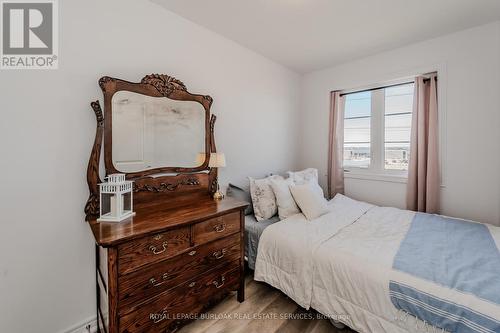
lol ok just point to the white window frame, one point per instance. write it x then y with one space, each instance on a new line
377 170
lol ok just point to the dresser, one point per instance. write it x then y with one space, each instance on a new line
162 268
183 250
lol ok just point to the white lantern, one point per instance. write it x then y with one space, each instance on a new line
116 200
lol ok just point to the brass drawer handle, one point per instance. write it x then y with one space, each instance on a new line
154 283
220 227
192 284
192 253
219 254
159 318
152 248
222 281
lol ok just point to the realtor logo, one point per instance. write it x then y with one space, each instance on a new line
29 34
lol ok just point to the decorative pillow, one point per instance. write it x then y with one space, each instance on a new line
263 198
309 199
286 204
304 176
238 193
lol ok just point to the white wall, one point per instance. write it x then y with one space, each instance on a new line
47 129
469 90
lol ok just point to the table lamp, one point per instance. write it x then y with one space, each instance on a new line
217 160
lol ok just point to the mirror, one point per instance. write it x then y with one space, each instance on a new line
155 132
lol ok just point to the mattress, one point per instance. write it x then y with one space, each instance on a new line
253 231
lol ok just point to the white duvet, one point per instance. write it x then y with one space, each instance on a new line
352 273
284 256
341 265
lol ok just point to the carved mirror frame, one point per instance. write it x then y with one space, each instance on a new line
187 180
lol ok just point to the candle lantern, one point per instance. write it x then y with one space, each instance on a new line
116 199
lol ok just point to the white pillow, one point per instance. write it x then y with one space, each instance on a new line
316 187
310 200
263 198
286 204
304 176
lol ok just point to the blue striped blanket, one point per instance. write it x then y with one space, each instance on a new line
459 255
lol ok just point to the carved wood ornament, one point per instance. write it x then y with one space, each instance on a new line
93 179
199 180
163 187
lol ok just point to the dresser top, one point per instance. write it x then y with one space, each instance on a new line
155 217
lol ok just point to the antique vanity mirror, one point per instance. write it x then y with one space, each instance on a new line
162 138
153 132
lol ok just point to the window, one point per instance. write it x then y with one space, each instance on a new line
397 123
377 127
357 120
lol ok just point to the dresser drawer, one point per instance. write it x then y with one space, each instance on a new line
138 286
180 302
152 249
217 227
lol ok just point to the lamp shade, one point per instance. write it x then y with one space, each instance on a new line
217 160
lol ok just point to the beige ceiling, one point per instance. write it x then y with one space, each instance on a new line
306 35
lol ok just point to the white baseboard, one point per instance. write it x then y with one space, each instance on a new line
87 326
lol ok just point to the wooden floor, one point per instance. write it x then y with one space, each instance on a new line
265 310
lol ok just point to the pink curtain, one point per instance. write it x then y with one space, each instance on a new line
335 168
423 172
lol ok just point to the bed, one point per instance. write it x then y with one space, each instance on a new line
367 267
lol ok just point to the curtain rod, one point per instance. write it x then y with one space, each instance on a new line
384 87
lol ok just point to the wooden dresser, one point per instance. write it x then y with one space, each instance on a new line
162 268
183 250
